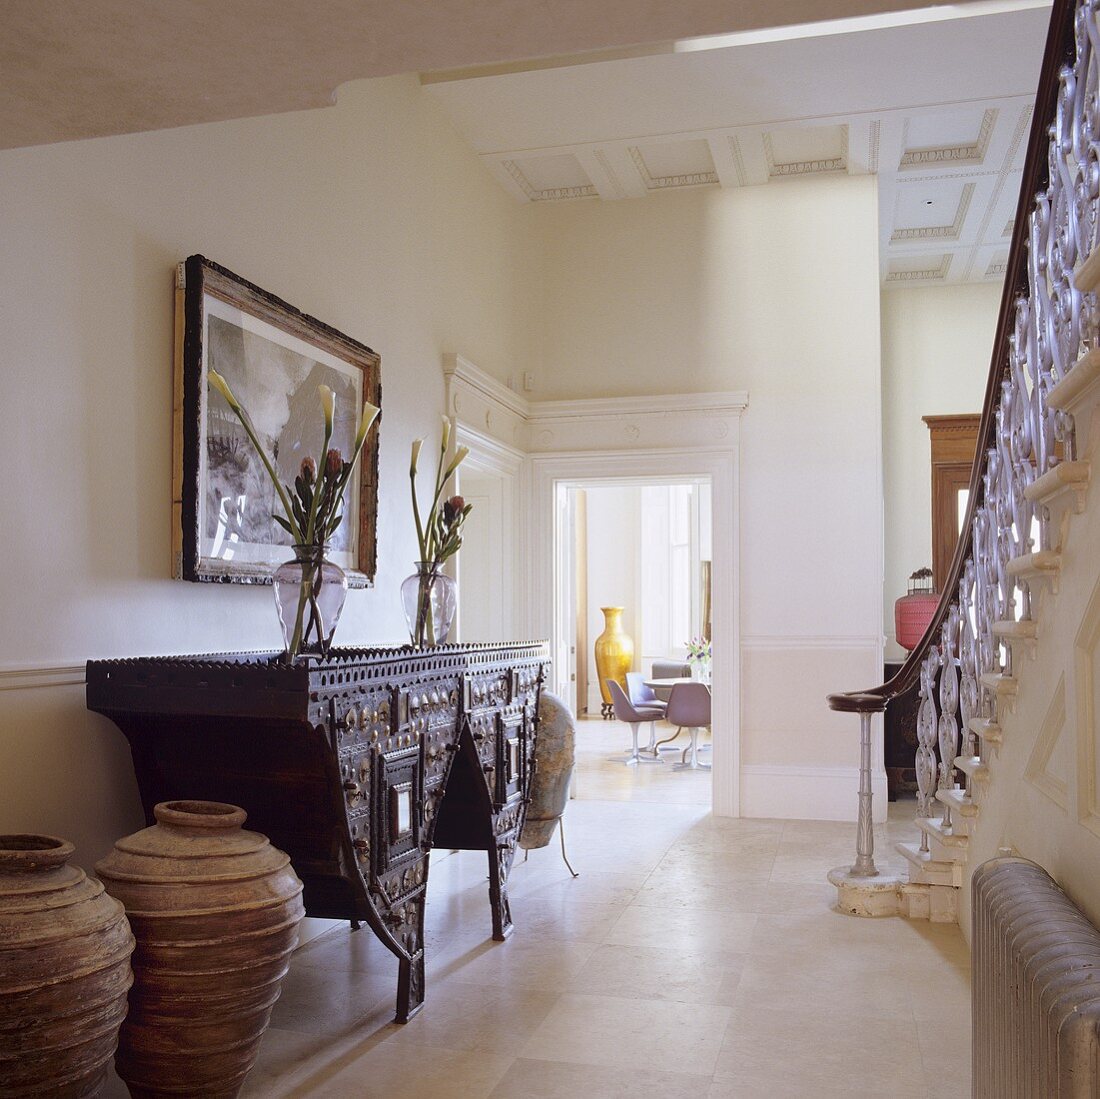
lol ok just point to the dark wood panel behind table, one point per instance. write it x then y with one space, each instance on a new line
354 765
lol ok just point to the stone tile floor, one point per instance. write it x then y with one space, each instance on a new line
694 956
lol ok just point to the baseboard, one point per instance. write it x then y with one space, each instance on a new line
806 793
29 676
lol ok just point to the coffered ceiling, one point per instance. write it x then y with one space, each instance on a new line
938 109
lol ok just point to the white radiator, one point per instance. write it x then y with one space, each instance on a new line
1036 987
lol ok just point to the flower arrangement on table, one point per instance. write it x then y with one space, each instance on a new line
698 654
429 596
309 591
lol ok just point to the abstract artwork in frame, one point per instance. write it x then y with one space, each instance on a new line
274 357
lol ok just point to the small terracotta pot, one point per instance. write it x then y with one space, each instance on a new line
64 972
215 911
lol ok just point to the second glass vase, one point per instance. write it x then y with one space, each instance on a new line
430 599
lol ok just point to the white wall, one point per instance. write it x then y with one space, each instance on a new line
773 290
936 343
371 215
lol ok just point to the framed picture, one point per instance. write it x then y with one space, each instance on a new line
274 357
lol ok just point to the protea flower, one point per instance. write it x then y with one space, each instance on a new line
452 509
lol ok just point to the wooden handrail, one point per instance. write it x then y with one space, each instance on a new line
1059 49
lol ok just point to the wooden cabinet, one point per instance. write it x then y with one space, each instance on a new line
954 439
355 765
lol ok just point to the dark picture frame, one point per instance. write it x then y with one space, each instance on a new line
273 356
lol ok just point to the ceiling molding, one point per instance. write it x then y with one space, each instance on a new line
547 194
656 183
972 152
788 169
928 274
939 232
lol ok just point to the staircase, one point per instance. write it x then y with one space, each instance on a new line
1003 651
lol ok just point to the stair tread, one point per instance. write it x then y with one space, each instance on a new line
985 727
1087 276
999 682
935 828
1064 476
959 800
974 766
925 866
1035 564
1022 629
1081 376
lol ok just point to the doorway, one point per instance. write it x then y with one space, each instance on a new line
641 548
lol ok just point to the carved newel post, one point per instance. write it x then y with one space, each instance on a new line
863 889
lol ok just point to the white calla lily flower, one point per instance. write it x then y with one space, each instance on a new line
328 405
222 386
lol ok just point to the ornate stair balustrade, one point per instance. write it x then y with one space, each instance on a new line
1046 351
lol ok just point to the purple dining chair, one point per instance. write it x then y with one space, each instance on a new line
626 711
643 697
689 708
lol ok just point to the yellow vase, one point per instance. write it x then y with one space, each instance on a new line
614 655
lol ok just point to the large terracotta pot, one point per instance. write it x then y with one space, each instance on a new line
554 757
64 972
215 911
614 654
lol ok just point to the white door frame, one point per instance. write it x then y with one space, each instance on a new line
720 467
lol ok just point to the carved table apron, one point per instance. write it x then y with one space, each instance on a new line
355 765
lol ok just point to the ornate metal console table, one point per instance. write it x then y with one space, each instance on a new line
355 765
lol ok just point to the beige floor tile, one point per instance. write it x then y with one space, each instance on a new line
611 887
384 1072
662 892
558 917
496 1019
282 1053
822 1048
641 1034
529 1079
774 1083
520 962
774 983
692 931
331 1000
661 974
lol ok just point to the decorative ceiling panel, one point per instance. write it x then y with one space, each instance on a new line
675 163
547 173
936 210
810 150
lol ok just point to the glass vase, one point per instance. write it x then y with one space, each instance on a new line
430 599
309 596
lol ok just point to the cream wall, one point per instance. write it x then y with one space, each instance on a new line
936 343
773 290
373 216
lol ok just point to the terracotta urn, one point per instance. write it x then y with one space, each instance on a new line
65 951
215 911
614 655
554 758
